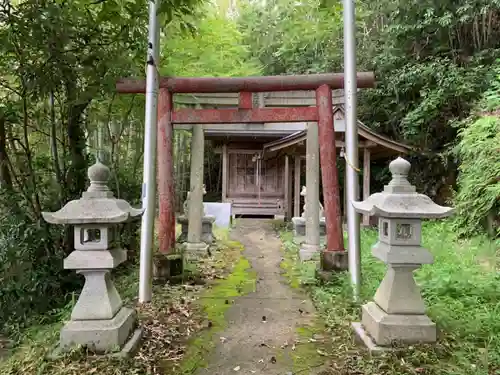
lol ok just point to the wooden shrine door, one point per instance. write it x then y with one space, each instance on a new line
255 186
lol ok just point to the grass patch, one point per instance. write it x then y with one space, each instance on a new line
310 349
462 293
172 321
298 273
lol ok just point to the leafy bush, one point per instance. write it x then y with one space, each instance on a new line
478 197
31 271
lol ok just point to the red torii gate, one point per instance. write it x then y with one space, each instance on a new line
245 113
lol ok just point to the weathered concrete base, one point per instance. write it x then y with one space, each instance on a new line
334 261
307 251
167 266
195 251
299 226
128 350
331 263
207 234
302 239
100 336
387 328
362 337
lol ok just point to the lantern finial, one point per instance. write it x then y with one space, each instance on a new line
99 176
399 184
400 167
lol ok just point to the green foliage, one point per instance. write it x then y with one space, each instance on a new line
478 197
430 60
59 62
460 290
214 49
288 37
31 267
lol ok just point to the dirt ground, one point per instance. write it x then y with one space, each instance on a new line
262 326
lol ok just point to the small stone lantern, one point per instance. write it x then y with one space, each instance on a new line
299 223
99 321
207 222
397 313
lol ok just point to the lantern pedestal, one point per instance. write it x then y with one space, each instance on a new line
334 261
362 337
387 328
99 321
195 251
167 267
308 251
207 224
299 226
398 293
102 336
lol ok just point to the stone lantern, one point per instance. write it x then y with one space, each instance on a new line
397 313
207 221
99 321
299 223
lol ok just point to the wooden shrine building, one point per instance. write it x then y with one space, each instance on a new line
261 163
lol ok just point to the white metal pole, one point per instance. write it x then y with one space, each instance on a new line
351 135
149 169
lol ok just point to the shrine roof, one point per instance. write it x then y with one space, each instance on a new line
380 145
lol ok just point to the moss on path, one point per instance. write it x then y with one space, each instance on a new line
271 330
215 302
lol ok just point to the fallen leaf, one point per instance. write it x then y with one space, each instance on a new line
237 368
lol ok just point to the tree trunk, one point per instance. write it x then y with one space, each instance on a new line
77 174
5 177
53 147
37 207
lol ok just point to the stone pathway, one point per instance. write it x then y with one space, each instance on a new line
250 345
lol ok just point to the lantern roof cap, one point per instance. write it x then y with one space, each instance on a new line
97 205
400 199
